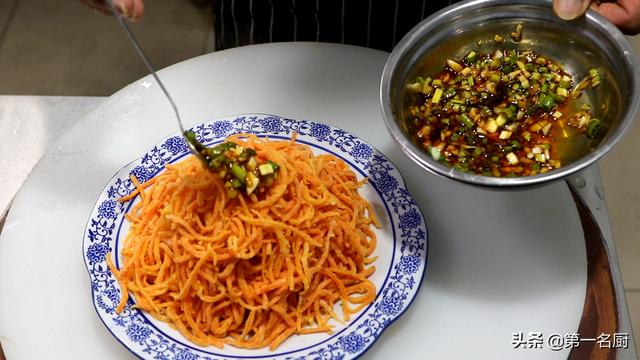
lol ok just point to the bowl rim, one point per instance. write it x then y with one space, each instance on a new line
617 39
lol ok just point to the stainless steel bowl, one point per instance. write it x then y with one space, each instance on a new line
590 41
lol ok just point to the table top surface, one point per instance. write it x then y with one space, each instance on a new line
485 274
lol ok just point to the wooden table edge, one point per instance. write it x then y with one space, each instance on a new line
600 310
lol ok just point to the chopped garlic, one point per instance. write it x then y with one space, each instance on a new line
562 92
491 126
501 120
454 65
536 127
435 153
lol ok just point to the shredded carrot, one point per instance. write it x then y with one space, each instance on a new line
250 271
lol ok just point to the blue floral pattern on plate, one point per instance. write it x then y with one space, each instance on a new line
408 235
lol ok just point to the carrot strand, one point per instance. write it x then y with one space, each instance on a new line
250 271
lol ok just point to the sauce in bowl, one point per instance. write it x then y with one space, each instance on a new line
504 113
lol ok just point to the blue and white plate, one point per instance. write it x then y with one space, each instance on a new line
402 246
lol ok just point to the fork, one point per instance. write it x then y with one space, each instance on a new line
147 63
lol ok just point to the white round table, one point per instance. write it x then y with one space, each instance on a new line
499 262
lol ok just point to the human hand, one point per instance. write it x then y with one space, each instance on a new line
129 9
625 14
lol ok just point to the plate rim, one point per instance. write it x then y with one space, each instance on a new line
341 153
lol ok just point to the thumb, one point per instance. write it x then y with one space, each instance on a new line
570 9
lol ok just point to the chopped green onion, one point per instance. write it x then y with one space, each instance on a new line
238 172
507 69
236 183
557 98
216 161
466 120
471 57
593 128
436 96
546 102
191 136
564 84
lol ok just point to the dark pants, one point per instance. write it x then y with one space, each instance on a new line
377 24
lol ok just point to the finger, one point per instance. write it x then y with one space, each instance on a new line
625 14
570 9
131 9
138 10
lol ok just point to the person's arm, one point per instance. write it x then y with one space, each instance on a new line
625 14
130 9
